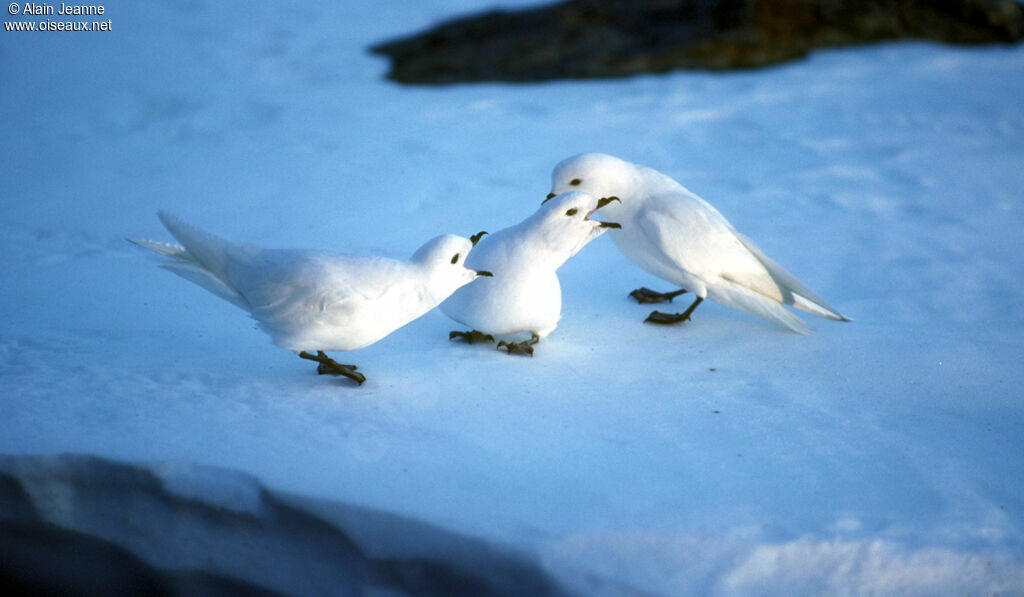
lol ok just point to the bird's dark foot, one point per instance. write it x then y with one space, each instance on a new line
335 369
328 366
670 318
646 295
471 336
524 347
666 318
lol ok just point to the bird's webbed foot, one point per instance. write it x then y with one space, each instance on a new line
646 295
471 336
524 347
328 366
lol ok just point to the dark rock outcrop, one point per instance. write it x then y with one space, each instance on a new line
616 38
81 525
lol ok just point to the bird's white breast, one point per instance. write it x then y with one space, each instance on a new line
523 295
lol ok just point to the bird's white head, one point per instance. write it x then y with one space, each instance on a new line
599 174
444 258
563 224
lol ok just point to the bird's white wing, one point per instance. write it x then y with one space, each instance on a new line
305 285
307 300
696 238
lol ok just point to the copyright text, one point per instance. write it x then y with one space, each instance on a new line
31 9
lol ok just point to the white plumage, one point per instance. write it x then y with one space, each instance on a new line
524 295
677 236
312 300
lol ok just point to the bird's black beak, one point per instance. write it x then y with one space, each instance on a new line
476 237
549 197
484 273
601 203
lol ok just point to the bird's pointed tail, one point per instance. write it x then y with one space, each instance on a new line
754 303
794 292
201 258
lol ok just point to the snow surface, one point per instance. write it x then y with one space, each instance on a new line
724 456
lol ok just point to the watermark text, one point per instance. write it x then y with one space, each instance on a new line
60 20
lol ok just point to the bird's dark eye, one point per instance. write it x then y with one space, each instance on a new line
575 182
455 259
571 212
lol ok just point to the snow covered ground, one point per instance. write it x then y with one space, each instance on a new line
724 456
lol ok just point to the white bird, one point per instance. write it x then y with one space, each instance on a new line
524 295
317 301
677 236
